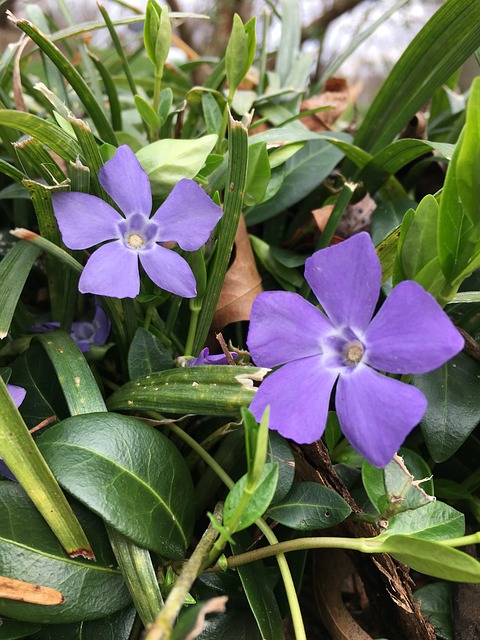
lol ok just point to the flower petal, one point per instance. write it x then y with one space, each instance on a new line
126 182
84 220
17 393
5 471
346 280
102 325
377 413
169 271
188 216
285 327
299 397
112 270
411 333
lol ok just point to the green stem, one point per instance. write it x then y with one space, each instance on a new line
264 528
192 329
163 623
474 538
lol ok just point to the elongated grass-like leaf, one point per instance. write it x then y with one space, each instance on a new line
14 270
236 181
69 72
48 133
25 461
439 49
35 154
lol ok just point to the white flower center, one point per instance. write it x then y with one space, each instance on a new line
353 353
135 241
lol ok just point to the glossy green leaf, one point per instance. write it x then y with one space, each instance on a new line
453 409
128 473
305 171
433 521
13 630
260 595
168 161
147 113
258 175
147 354
30 552
279 451
469 159
14 270
435 602
117 626
257 503
290 279
236 54
439 49
211 113
309 506
432 558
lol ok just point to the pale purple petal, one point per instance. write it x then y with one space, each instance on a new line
112 270
126 182
188 216
102 326
411 333
377 413
204 357
299 396
17 394
5 471
285 327
346 280
169 271
84 220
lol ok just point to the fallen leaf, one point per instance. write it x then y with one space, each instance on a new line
214 605
337 95
26 592
241 285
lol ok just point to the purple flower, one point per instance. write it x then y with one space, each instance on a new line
187 217
410 334
18 395
204 357
85 334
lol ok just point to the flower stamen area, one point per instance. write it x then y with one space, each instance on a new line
353 353
135 241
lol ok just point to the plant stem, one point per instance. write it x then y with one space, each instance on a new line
163 624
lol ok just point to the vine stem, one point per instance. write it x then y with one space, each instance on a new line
162 626
285 572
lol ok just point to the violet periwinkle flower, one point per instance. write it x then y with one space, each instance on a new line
410 334
85 334
204 357
18 395
187 217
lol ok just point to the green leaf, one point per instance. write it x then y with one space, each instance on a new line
12 629
258 175
468 163
439 49
256 442
117 626
305 171
236 54
309 506
129 474
168 161
14 270
216 390
257 504
403 491
260 596
279 451
432 558
32 553
147 354
289 46
211 113
23 458
435 602
453 409
290 279
434 521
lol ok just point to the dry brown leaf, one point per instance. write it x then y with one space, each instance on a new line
26 592
337 95
322 215
214 605
242 283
